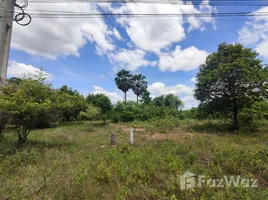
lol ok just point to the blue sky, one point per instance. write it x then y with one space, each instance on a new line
85 54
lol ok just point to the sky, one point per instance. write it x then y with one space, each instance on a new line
86 53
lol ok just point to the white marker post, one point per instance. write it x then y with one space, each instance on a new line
131 136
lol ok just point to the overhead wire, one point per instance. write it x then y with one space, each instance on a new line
197 2
40 14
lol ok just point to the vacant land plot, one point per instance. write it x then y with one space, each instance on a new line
77 162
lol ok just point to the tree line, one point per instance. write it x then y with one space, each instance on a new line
232 84
29 103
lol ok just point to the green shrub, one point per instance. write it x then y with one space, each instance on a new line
130 111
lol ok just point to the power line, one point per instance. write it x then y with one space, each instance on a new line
197 2
132 15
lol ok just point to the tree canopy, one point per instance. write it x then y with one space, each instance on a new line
171 101
139 85
231 79
101 101
124 81
24 102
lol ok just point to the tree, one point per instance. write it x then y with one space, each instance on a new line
68 105
170 101
230 80
14 80
138 85
101 101
24 102
145 98
159 101
173 102
68 90
123 81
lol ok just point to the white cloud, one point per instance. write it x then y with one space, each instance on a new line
255 32
185 60
52 37
189 102
155 33
158 88
112 95
193 80
262 48
16 69
130 59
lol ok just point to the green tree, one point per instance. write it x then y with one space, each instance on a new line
145 98
230 80
14 80
170 101
90 113
123 81
68 90
138 85
67 105
24 102
173 102
103 102
159 101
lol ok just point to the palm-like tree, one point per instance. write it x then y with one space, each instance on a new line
139 85
123 81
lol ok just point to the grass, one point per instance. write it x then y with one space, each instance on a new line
75 162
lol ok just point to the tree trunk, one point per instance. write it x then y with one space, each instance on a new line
23 135
137 99
235 116
125 97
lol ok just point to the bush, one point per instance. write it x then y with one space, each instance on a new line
130 111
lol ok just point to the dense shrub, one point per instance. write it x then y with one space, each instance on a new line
130 111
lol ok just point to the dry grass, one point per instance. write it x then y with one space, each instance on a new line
73 162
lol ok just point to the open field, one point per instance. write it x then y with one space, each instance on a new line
74 161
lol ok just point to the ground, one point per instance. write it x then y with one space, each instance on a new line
76 161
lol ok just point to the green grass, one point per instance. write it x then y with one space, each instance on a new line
75 162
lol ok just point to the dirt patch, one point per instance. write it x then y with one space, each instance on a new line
158 136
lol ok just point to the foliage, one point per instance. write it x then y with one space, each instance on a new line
138 85
101 101
130 111
68 90
124 81
14 80
145 98
90 113
171 101
190 114
68 106
24 103
231 80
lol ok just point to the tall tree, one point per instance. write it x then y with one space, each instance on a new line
123 81
103 102
231 79
138 85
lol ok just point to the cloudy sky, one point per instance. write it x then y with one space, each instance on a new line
86 53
